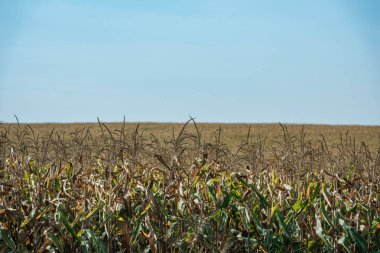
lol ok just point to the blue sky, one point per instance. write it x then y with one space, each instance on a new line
219 61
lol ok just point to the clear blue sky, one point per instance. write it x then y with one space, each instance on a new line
219 61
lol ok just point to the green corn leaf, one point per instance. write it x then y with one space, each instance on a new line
8 239
57 184
195 182
96 243
316 192
211 190
62 217
252 242
223 220
268 238
343 240
57 243
263 201
85 246
173 229
245 217
355 236
324 214
304 204
136 232
321 234
283 226
297 207
216 214
227 199
292 225
260 229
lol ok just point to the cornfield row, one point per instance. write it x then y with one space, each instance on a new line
124 191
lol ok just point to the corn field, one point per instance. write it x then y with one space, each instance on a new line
128 191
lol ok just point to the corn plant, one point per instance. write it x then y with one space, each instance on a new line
123 191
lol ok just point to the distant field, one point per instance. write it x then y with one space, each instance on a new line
233 134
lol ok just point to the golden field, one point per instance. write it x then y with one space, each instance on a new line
232 134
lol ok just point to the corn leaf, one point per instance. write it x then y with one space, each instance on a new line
8 239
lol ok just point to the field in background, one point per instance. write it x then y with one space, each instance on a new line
233 134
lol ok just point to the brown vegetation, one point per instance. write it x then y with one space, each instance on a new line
111 188
233 133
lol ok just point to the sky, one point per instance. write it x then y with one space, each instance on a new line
218 61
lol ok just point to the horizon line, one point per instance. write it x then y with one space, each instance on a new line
183 122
